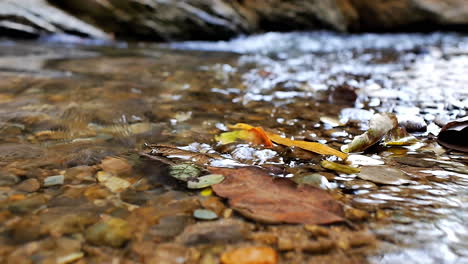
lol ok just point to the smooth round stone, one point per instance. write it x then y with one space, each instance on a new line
383 175
204 214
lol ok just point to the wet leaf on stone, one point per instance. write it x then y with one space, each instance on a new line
454 135
383 175
257 195
204 181
379 126
339 167
184 172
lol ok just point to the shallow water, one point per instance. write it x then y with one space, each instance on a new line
67 105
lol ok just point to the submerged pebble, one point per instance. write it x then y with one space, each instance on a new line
112 232
54 180
29 185
250 255
113 183
205 214
383 175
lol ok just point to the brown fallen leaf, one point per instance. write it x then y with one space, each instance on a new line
257 195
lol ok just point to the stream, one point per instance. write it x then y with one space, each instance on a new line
69 104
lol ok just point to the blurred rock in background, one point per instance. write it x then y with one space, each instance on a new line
163 20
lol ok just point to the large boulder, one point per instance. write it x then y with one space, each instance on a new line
32 18
163 20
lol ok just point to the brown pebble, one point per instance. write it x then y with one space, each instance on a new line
116 166
320 246
317 230
356 214
213 203
250 255
29 185
265 238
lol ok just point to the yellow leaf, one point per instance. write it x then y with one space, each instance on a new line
339 167
310 146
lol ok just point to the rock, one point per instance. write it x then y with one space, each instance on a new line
415 162
29 185
204 214
250 255
412 123
222 19
214 204
171 254
383 175
27 205
113 183
36 17
359 185
54 180
221 231
7 179
170 226
112 232
81 173
64 220
117 166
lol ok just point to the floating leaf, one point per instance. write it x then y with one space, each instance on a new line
454 135
339 167
379 126
205 181
383 175
255 194
184 172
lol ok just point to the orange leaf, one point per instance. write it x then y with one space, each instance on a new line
263 136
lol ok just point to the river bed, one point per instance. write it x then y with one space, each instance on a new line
70 105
